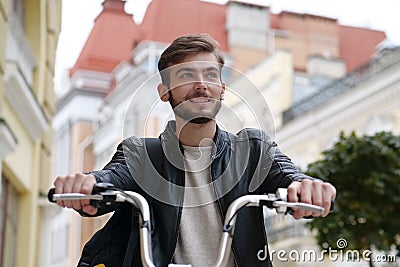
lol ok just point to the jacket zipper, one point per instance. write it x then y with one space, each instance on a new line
178 221
221 213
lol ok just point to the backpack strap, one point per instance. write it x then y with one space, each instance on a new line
156 155
155 152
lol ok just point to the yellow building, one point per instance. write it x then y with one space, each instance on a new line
29 31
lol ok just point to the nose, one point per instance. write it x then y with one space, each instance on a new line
200 84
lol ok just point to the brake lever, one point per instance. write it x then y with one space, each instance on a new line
288 206
105 190
282 206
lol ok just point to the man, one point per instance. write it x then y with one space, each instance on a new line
204 168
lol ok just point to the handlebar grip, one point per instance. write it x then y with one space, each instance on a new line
330 210
50 195
97 189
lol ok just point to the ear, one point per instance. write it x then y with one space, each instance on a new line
163 92
222 90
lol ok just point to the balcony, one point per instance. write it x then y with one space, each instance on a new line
18 79
19 51
386 59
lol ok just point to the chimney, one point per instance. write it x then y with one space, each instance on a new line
116 5
248 25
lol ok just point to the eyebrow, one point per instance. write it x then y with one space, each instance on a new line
212 68
183 70
193 69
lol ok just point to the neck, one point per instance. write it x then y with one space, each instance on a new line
192 134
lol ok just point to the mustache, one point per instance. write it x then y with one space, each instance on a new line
197 94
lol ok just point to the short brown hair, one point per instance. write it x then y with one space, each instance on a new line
184 46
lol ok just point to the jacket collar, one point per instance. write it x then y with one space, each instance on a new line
173 147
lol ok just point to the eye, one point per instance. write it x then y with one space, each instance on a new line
212 75
187 75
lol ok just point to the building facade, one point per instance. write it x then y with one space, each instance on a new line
29 32
365 101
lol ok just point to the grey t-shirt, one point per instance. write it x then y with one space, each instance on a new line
200 228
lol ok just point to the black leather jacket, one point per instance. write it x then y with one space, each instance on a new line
246 163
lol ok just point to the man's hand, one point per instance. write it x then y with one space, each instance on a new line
76 183
314 192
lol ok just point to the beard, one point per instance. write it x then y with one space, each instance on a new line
197 117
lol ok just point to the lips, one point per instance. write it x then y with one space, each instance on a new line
199 99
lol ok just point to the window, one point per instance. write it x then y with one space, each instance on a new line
62 150
59 244
17 10
9 219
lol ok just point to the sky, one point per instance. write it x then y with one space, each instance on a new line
78 17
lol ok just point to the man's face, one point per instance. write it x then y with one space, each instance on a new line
196 90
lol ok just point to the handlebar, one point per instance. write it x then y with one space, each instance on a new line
105 194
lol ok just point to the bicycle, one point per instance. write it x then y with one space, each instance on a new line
105 194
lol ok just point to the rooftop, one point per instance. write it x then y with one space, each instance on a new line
115 34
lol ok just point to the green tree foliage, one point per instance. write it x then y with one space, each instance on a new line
366 173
